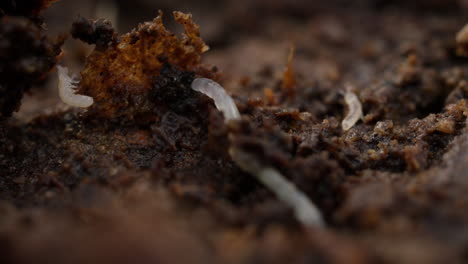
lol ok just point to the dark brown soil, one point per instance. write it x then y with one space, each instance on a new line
26 55
144 175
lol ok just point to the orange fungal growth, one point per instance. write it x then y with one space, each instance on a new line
289 78
120 76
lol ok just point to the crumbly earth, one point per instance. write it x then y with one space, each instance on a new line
26 56
144 175
28 8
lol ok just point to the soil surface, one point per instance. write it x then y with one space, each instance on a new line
145 176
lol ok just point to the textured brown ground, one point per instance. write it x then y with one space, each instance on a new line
144 175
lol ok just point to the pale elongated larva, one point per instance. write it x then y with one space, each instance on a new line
222 100
304 209
354 110
66 89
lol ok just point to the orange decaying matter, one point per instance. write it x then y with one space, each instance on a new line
119 77
289 78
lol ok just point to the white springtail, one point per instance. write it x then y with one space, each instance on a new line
66 89
354 110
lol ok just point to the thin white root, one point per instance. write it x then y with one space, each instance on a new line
304 209
66 89
222 100
354 110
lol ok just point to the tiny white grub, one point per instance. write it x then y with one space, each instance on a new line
354 110
66 89
222 100
462 35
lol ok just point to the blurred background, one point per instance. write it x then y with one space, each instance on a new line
247 37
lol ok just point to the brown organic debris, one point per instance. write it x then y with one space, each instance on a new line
99 32
26 56
120 77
